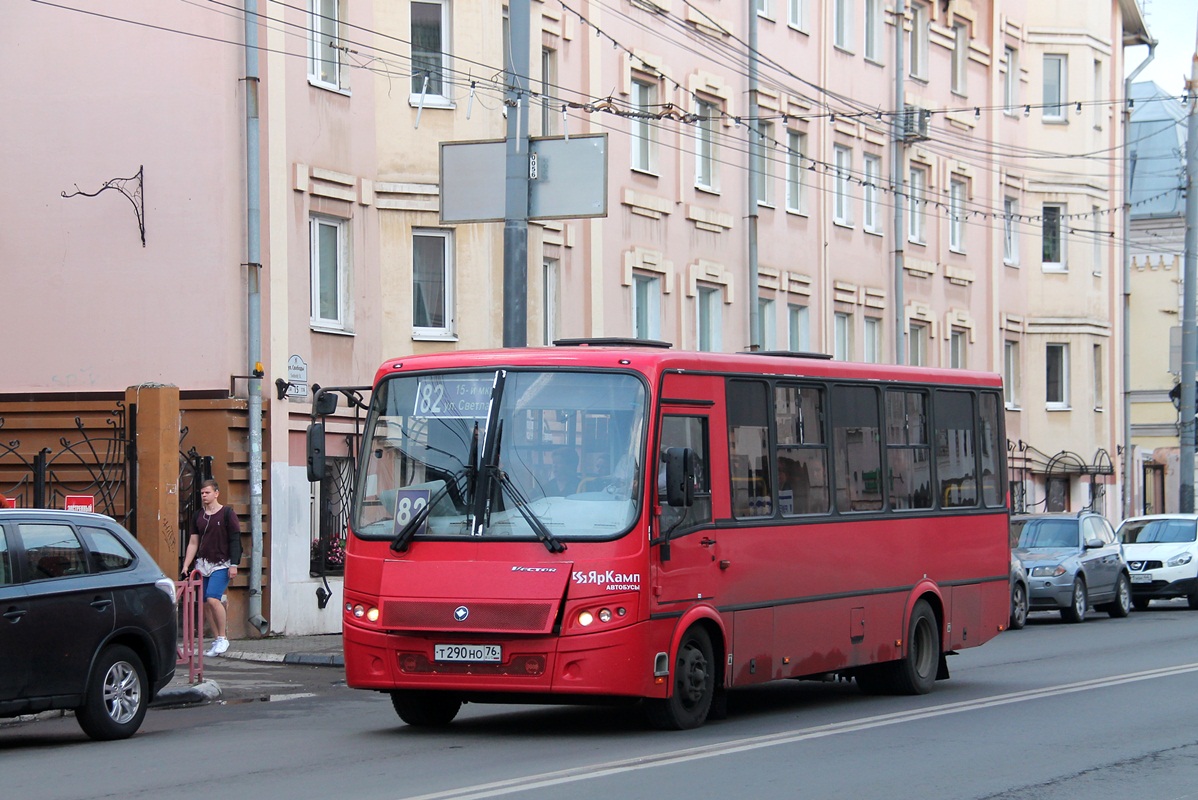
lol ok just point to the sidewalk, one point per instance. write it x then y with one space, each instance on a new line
323 650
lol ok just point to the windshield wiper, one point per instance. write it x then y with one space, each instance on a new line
404 537
551 542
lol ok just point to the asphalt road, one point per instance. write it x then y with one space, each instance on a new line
1105 709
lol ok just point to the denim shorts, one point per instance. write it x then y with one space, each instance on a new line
216 583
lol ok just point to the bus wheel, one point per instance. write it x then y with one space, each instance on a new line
426 709
694 685
916 673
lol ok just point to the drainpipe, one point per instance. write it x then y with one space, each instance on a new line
253 214
755 149
898 158
1128 166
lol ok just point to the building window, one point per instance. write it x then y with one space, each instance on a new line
1052 247
329 258
917 184
959 79
1056 388
646 306
842 336
324 54
1099 241
1055 94
873 208
551 300
1099 383
1010 374
644 136
430 48
873 340
1100 89
917 344
1010 84
842 23
767 337
1010 236
763 8
432 283
958 346
764 163
841 210
549 102
798 329
705 145
956 215
708 319
919 41
796 14
875 24
796 176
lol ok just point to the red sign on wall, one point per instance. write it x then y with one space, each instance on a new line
80 502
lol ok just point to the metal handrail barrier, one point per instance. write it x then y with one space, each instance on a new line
190 595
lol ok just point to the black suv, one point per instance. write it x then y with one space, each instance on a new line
87 620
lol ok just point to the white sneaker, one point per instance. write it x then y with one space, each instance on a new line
220 645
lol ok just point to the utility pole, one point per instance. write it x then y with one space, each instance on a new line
1189 333
755 150
898 157
515 222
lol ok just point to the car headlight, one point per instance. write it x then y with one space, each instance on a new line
1179 560
1048 572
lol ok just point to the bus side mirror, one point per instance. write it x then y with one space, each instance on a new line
316 450
680 477
324 403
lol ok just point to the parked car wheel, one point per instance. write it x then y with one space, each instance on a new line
1076 610
1121 605
1018 606
117 696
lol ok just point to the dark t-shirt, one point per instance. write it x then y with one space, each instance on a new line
220 536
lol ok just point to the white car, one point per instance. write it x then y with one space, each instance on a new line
1162 552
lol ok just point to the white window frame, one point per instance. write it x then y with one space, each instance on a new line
644 96
338 320
798 328
706 149
917 343
842 336
709 301
919 41
842 24
646 306
957 191
1056 93
1011 374
446 330
917 186
551 300
875 25
437 95
765 8
796 176
1099 379
1010 233
796 14
871 196
959 78
1061 264
873 340
958 349
1061 351
323 28
765 162
550 106
767 336
1099 241
1010 85
842 210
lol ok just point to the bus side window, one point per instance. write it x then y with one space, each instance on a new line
956 455
680 431
802 454
748 449
857 448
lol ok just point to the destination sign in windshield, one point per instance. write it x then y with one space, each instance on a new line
453 398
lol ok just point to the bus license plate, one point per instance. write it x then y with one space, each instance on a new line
468 652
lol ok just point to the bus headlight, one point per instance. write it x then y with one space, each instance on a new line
585 618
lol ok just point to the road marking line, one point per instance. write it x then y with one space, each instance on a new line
670 758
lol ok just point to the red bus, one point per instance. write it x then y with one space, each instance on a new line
604 522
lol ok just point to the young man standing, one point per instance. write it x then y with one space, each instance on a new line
215 545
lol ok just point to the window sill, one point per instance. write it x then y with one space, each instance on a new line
318 327
421 336
1055 407
648 172
919 242
328 87
1012 407
431 101
1012 264
960 251
874 231
798 212
843 223
1055 269
706 189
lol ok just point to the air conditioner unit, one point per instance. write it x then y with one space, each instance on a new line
915 123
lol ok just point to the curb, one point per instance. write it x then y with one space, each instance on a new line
302 659
204 692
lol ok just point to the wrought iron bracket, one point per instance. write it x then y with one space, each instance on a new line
134 196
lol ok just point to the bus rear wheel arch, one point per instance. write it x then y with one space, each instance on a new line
916 672
693 679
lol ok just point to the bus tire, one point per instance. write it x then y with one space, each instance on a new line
426 709
693 688
875 678
916 672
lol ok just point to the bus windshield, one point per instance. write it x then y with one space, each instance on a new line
566 447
